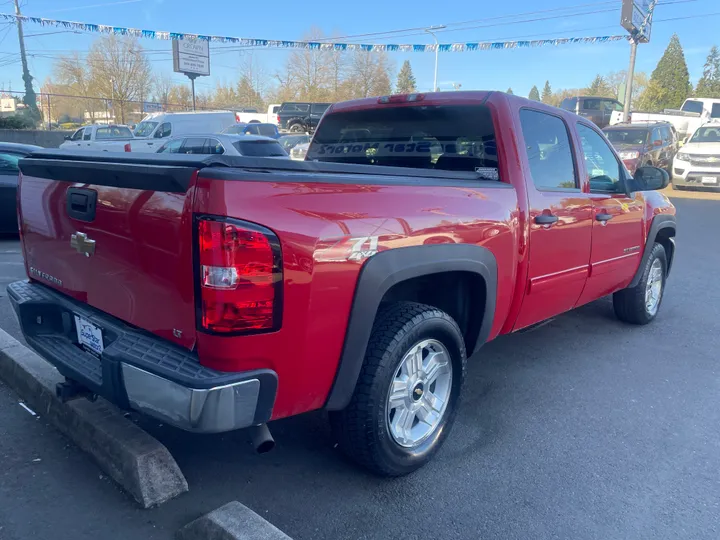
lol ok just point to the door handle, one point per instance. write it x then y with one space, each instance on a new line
545 219
603 217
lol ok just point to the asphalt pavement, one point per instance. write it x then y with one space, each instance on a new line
585 428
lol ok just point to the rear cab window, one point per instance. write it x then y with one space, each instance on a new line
260 148
443 137
267 130
569 104
692 106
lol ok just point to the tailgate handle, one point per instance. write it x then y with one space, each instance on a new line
81 203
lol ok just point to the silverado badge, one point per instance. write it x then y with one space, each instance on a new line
82 244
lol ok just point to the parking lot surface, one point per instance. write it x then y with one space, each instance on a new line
585 428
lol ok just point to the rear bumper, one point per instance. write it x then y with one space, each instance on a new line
140 371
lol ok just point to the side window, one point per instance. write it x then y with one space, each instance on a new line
194 145
9 163
87 134
77 135
171 147
549 151
655 136
215 147
251 129
603 168
591 105
163 131
715 110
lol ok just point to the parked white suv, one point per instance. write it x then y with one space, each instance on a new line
697 164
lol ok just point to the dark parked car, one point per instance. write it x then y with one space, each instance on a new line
10 154
300 117
653 144
597 109
254 128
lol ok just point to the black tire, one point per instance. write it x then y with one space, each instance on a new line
629 304
362 428
296 128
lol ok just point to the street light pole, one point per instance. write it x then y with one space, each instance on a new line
437 47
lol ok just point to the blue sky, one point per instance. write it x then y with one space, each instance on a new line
564 66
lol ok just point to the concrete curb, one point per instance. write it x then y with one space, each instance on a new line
138 462
232 521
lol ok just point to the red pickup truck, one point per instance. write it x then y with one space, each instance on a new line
217 292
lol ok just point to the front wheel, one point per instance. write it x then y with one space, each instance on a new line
406 396
640 304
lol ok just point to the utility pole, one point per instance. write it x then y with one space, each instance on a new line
629 80
437 46
29 92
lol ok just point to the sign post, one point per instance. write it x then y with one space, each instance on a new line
636 18
192 58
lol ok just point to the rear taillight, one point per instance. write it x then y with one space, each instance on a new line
240 274
278 118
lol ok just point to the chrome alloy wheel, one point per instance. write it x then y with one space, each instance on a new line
653 287
419 393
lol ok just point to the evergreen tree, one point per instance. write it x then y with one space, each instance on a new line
670 82
709 84
534 93
547 93
509 91
406 83
600 87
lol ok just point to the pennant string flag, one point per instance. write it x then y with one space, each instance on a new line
311 45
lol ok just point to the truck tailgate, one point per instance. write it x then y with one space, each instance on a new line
91 231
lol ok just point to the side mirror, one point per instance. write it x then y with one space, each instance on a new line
650 178
67 137
657 143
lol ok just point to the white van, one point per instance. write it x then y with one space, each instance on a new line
155 128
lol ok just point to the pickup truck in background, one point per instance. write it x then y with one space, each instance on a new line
86 138
300 117
694 113
250 115
218 292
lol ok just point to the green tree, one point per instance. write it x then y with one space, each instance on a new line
709 84
600 87
509 91
534 93
406 83
670 82
547 93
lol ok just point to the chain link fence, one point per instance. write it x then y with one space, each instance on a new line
65 111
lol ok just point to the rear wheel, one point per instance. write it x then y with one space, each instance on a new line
296 128
406 396
640 304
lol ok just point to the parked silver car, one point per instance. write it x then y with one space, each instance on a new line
224 144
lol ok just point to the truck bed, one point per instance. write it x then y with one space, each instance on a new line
328 217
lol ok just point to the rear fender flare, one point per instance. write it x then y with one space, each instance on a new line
659 223
388 268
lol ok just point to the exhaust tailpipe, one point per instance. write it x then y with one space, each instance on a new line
261 439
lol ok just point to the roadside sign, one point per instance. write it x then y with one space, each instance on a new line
191 57
636 18
150 106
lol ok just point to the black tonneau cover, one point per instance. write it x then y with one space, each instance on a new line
173 172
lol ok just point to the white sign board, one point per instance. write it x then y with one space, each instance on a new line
191 57
636 18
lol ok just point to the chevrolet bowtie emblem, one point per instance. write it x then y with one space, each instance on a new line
82 244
